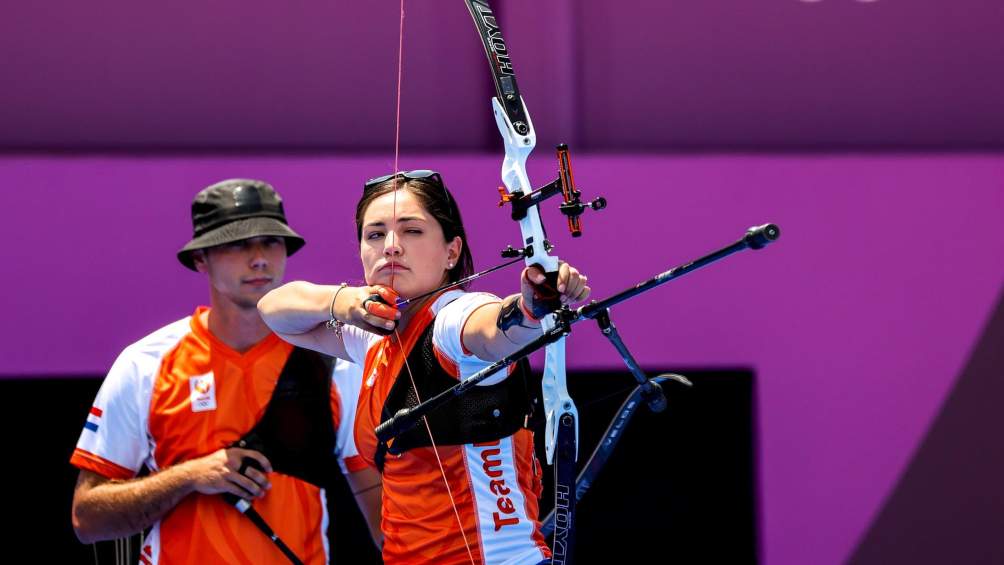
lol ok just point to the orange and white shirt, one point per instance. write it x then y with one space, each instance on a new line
181 393
495 485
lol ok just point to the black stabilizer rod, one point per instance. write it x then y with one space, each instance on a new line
406 418
757 237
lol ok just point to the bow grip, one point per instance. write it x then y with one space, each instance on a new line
546 298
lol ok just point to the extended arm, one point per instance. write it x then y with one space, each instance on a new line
299 311
491 338
106 508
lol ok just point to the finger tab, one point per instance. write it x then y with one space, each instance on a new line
388 294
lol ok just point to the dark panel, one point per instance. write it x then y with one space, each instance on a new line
679 484
680 487
44 418
949 505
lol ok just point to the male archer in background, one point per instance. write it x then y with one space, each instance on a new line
178 400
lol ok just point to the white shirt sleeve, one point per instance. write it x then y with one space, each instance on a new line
347 378
116 428
448 332
357 343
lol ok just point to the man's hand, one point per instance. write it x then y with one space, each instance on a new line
219 472
107 509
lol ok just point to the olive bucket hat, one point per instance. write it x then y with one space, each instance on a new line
237 209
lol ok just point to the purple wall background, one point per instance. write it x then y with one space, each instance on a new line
604 75
857 322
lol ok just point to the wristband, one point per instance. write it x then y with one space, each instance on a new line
513 313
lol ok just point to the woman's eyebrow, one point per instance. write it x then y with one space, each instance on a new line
400 220
403 219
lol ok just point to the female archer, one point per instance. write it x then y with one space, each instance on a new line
463 485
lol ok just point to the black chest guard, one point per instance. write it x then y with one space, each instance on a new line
297 433
484 413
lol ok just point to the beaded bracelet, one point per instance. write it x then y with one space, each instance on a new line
334 323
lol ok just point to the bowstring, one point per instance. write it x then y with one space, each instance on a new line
398 181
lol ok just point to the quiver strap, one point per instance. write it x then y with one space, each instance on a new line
296 432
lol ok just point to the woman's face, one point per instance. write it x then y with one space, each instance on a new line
402 245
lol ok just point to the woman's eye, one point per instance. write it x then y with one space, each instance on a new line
374 235
414 230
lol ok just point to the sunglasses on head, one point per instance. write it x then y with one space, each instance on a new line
431 177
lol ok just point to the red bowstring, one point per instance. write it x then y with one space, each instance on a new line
397 185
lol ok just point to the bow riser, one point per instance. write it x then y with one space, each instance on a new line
557 401
519 139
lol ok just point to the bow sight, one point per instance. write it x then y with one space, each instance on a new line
571 205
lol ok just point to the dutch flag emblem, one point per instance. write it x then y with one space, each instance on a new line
93 419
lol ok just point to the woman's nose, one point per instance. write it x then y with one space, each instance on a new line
391 245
